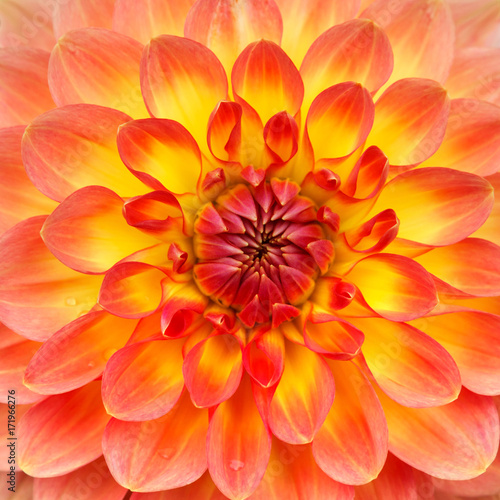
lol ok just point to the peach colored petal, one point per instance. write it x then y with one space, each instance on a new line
475 21
38 294
155 150
93 479
143 381
395 482
264 77
165 453
19 199
26 22
5 411
132 290
15 352
213 369
490 230
457 203
24 92
203 488
182 80
339 120
228 26
97 66
303 22
150 18
62 432
455 441
74 14
471 143
471 265
238 444
410 121
87 231
292 473
63 151
476 74
472 338
408 291
421 33
351 446
77 354
408 365
356 50
303 397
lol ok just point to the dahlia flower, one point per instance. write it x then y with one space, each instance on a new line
250 249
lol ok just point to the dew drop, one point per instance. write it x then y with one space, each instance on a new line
91 364
236 465
166 452
71 301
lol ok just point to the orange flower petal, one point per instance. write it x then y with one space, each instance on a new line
157 150
63 152
475 21
472 142
303 397
485 484
264 358
74 14
455 441
303 22
472 338
395 287
292 474
351 446
19 199
132 290
339 120
410 121
150 18
143 381
224 131
63 432
97 66
77 354
165 453
457 203
213 369
476 74
24 92
238 444
264 77
94 479
490 230
182 80
228 26
87 231
357 51
38 294
421 33
395 482
26 22
409 366
16 352
203 488
471 265
331 336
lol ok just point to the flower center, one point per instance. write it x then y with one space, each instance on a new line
259 250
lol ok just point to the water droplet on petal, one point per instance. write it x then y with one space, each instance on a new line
71 301
236 465
166 452
91 364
